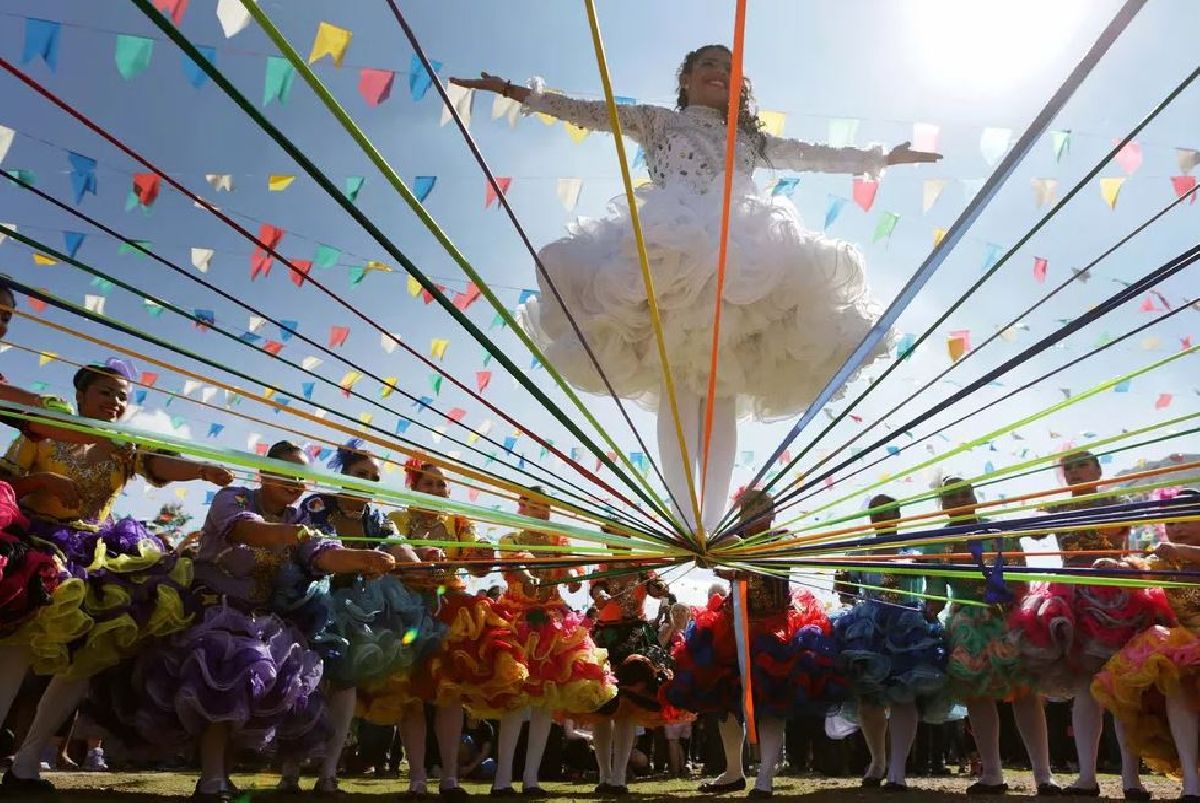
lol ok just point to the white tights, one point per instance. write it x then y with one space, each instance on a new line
1185 722
733 733
14 663
1030 716
875 728
721 454
1087 721
341 714
448 725
58 702
540 721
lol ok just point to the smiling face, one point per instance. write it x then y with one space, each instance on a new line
706 81
105 397
432 481
279 491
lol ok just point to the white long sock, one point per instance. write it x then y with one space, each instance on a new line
506 744
449 723
602 739
1185 723
733 733
770 743
903 729
872 721
1087 721
540 721
1131 763
722 453
670 458
1029 712
14 663
412 736
341 714
213 742
624 735
58 702
985 724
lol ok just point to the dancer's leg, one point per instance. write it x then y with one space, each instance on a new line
412 736
449 724
14 663
540 721
1131 763
506 747
341 714
1185 723
1029 711
60 700
1087 721
985 724
624 735
212 759
602 739
733 733
872 721
770 741
674 471
903 729
722 453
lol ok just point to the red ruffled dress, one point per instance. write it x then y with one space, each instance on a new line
29 569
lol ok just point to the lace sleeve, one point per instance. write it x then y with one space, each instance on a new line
638 121
795 154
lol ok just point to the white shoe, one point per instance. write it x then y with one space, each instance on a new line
95 761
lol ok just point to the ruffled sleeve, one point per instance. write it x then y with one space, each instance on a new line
25 456
638 121
795 154
229 506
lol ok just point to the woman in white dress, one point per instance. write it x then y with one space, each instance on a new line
795 303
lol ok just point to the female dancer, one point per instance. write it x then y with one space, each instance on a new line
793 661
123 585
796 304
375 627
567 674
894 655
1066 632
1151 684
984 666
478 663
242 678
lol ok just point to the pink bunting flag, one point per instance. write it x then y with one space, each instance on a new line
1129 157
1185 343
427 296
925 137
375 85
473 495
1039 270
272 347
482 380
175 9
338 335
299 271
1148 304
1163 401
489 193
1183 185
457 414
467 298
261 449
260 261
864 191
145 186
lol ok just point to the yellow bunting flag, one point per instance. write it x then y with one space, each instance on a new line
1110 188
389 387
42 259
773 122
365 419
181 493
349 380
938 236
437 348
414 287
330 41
46 357
279 183
268 393
957 345
577 133
375 264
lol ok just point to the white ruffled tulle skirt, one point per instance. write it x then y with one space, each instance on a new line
795 303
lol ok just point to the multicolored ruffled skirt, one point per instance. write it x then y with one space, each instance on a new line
793 662
642 668
982 661
478 663
891 654
568 674
1066 631
29 571
253 672
1134 684
122 587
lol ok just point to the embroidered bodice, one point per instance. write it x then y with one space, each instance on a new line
456 528
368 530
1086 540
888 586
1185 602
688 147
627 593
544 594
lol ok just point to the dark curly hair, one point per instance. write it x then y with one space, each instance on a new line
748 121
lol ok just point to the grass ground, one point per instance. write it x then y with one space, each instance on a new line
156 786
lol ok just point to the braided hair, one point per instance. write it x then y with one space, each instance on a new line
748 121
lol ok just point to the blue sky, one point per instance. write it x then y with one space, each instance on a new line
964 66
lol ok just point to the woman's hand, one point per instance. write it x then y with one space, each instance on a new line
372 562
903 154
216 475
493 83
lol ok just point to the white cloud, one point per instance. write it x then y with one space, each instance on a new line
159 422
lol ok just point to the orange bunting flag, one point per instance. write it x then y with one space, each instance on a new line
958 344
330 41
36 304
863 192
467 298
1039 270
261 259
148 378
338 335
299 271
273 347
482 380
489 192
145 186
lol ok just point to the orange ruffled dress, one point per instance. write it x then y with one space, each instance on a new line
479 663
1157 662
568 674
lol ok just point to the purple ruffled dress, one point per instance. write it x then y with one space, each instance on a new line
242 664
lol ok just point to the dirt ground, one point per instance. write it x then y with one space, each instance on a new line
81 787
